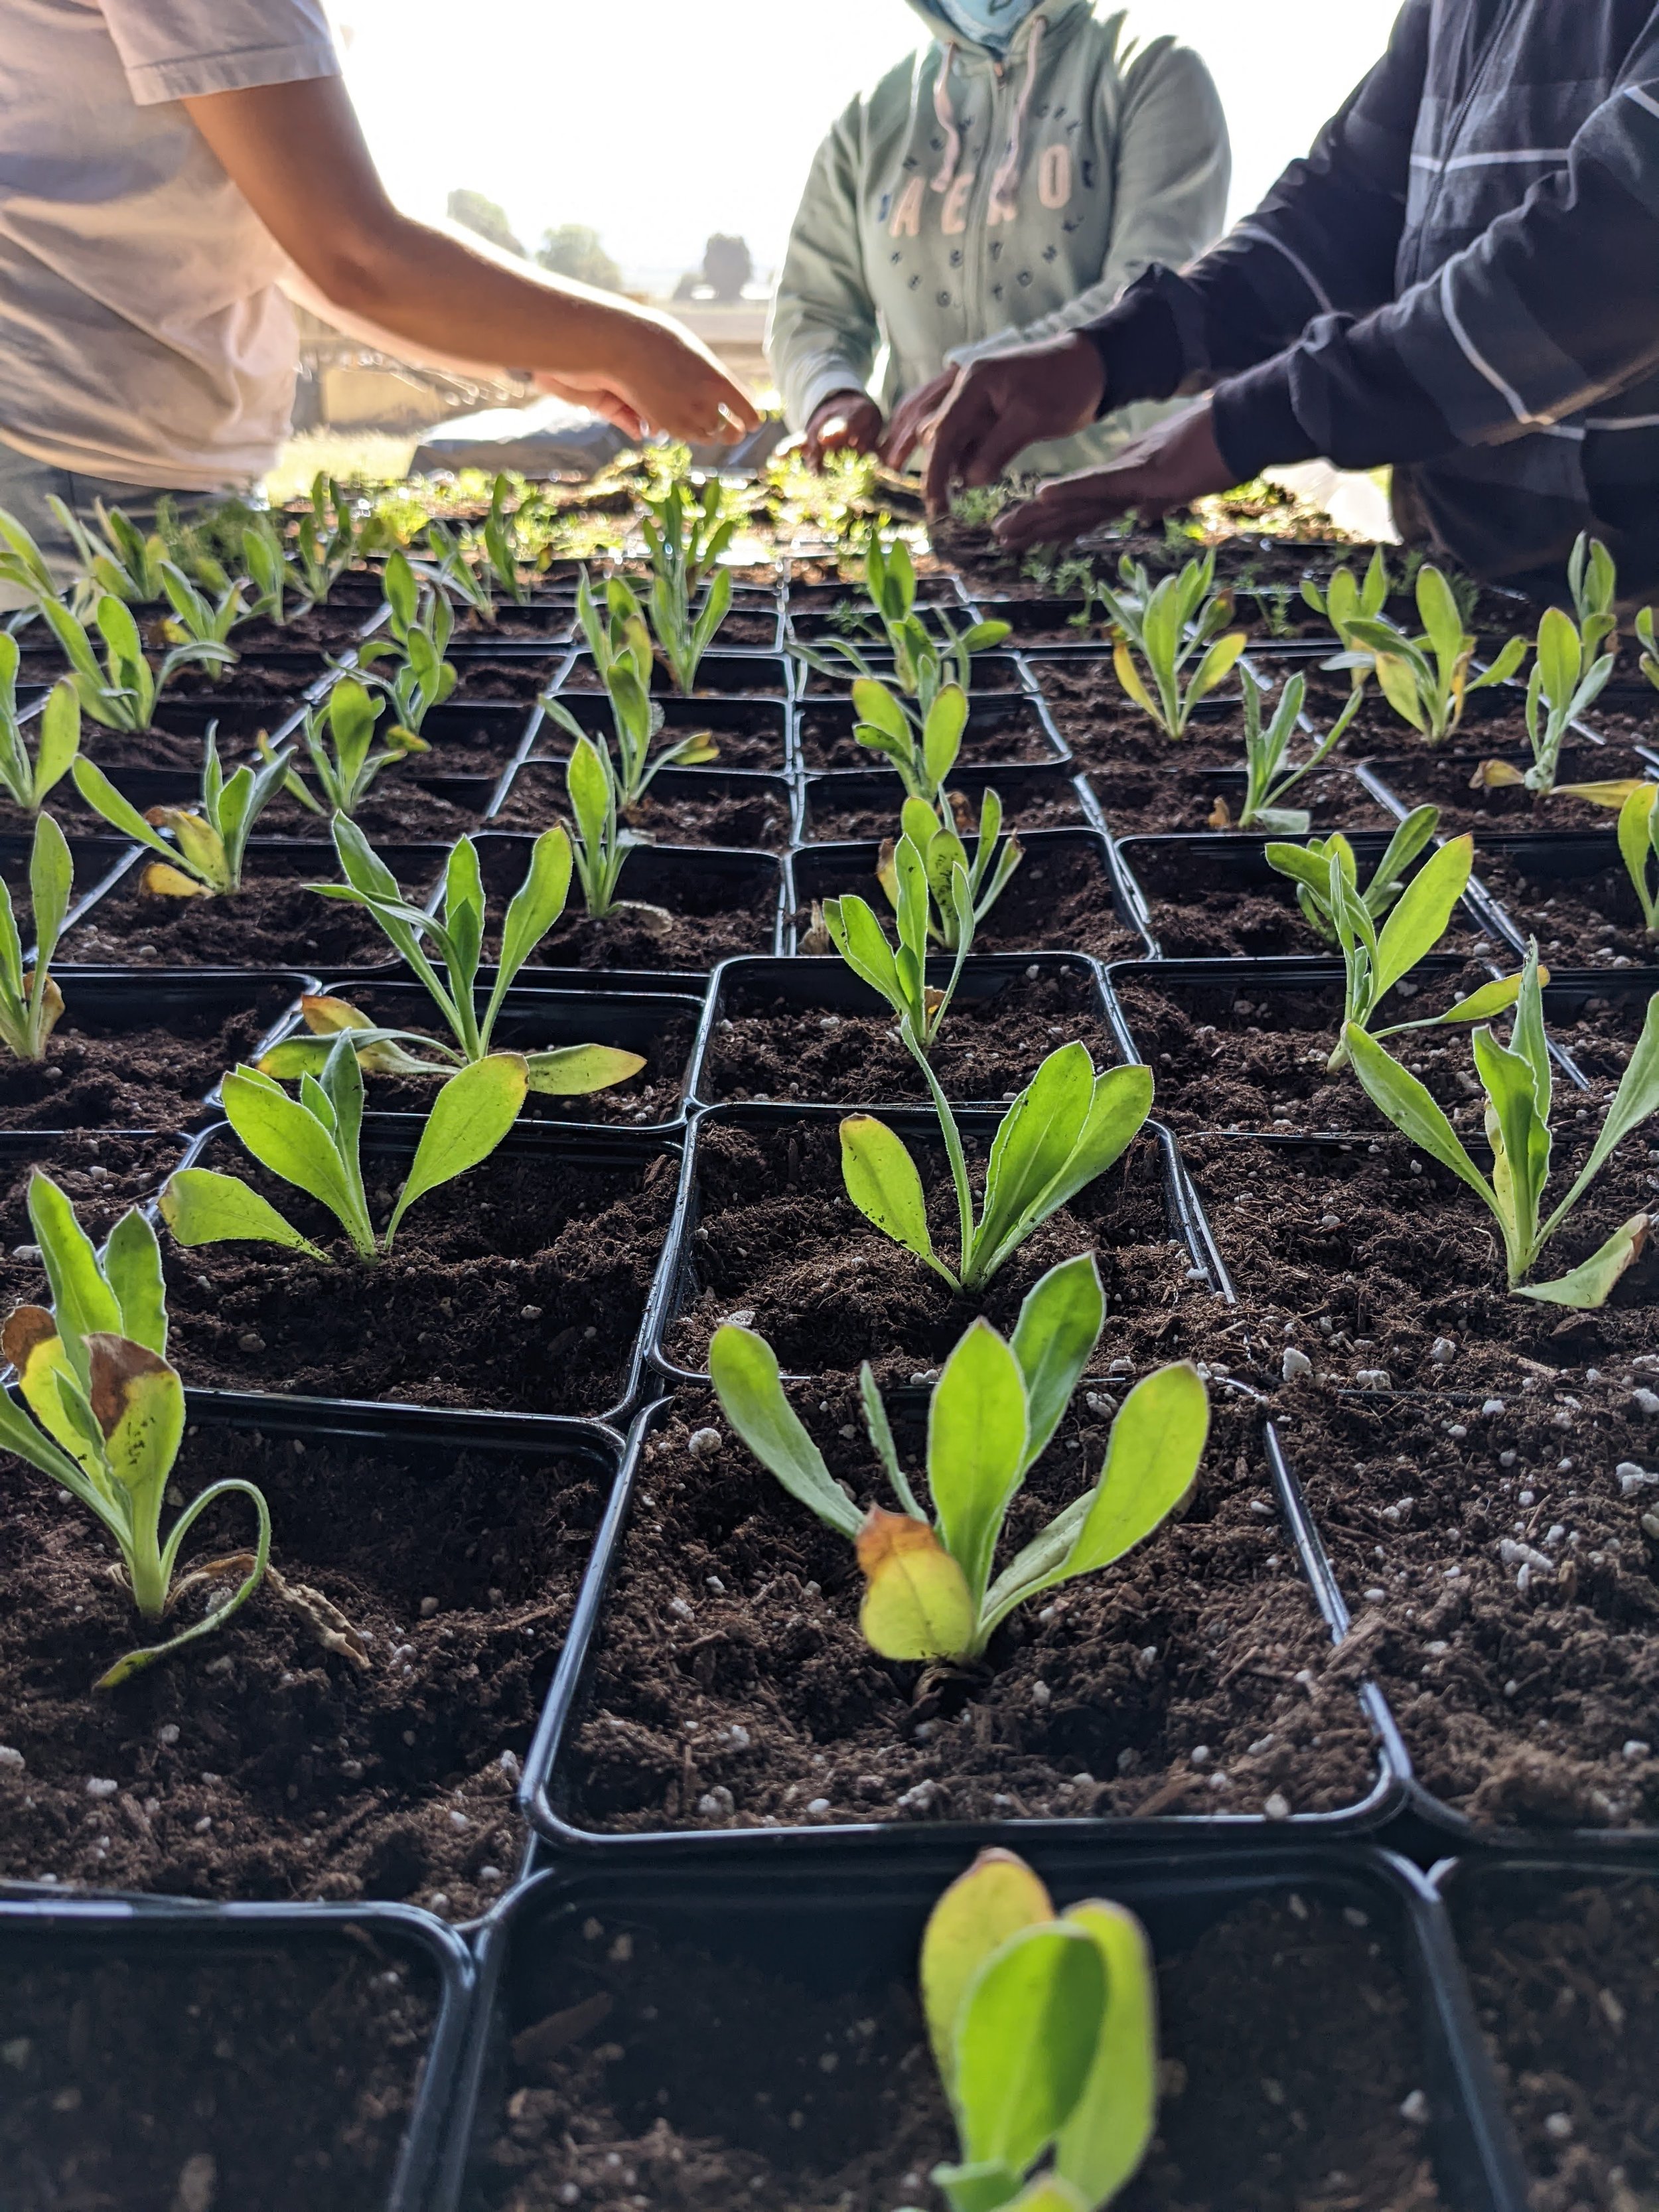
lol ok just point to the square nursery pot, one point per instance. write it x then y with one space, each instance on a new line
660 1026
477 736
1140 797
176 740
1403 781
1243 1044
751 734
259 2055
802 596
98 862
818 624
1068 895
505 675
122 1057
993 672
1006 727
527 1285
681 806
632 2031
1571 891
276 920
1217 898
811 1029
1557 1952
681 910
451 1551
103 1172
283 674
843 805
719 675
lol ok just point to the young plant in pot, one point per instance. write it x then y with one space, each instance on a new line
1345 599
199 621
314 1142
622 655
108 1414
118 559
31 1003
1569 675
1519 1086
122 690
422 623
1269 778
944 850
924 660
29 779
338 738
1375 961
1427 679
456 935
1161 627
929 1590
684 537
1044 2027
209 845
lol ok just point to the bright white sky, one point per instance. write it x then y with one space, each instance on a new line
658 121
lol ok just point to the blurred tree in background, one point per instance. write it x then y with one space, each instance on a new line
727 265
575 250
484 219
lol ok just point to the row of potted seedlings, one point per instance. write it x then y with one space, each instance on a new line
523 1546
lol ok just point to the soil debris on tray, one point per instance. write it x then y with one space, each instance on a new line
264 2078
757 821
274 920
519 1286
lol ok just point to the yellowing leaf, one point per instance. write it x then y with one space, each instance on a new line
162 881
1611 795
916 1603
1496 775
576 1070
997 1897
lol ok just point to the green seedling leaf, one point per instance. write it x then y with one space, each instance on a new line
1156 1442
1593 1282
577 1071
977 1429
744 1371
997 1898
200 1206
1058 1326
1026 2034
470 1116
1102 2143
882 1181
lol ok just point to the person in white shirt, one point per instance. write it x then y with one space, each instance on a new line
169 168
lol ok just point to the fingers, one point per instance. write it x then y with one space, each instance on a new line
1064 509
915 415
1010 433
968 418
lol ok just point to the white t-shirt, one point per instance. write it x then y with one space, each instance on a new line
142 333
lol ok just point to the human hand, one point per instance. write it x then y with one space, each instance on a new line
845 422
655 376
913 418
1172 466
997 406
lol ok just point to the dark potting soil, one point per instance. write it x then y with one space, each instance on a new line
114 750
273 921
1055 902
1242 1056
751 736
261 1763
525 679
1166 797
758 822
731 1688
520 1286
1443 781
1563 1983
401 806
265 2079
833 819
989 1048
690 924
134 1074
709 2083
1587 920
1104 727
1201 911
550 625
308 629
760 678
1010 734
285 677
102 1176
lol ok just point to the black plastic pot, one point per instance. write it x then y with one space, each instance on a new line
541 783
820 627
731 675
859 1927
106 996
1009 727
831 791
99 862
945 590
77 1935
994 674
767 720
394 1136
1561 859
481 737
829 987
817 872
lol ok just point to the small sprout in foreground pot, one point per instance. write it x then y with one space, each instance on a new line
928 1587
1518 1084
30 1001
314 1142
622 656
566 1072
111 1411
1044 2029
121 691
1064 1129
1425 679
1268 776
28 782
1160 630
339 741
210 846
1344 598
1376 960
1638 846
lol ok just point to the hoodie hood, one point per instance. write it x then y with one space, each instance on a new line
941 26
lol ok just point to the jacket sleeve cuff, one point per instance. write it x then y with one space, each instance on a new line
823 383
1255 426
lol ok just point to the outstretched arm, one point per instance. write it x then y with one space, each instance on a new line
296 152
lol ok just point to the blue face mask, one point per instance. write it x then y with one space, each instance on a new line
992 23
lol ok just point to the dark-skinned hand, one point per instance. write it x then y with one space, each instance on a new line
1171 466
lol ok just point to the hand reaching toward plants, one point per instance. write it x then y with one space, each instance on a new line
1171 466
845 422
993 409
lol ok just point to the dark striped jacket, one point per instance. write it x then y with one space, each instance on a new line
1462 278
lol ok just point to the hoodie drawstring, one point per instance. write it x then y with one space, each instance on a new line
1006 183
947 121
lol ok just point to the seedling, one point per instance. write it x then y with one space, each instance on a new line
1567 678
22 564
1160 629
457 939
1309 868
209 843
28 781
197 620
340 742
1518 1084
110 1411
1045 2030
929 1589
118 557
121 691
686 534
1427 679
1376 960
500 547
422 623
923 751
602 845
30 1001
685 538
314 1142
1064 1129
943 852
1268 776
1344 600
1649 645
267 572
925 662
900 976
452 573
1638 845
324 541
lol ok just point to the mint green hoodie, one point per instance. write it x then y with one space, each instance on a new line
967 204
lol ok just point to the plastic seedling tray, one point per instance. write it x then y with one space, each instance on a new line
389 1139
719 675
753 734
246 1946
833 797
819 991
992 672
475 737
817 872
534 1020
1003 726
734 807
98 863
